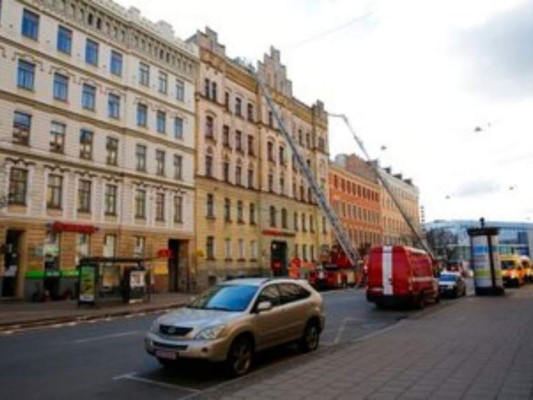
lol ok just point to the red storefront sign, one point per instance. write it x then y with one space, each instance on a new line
69 227
271 232
164 253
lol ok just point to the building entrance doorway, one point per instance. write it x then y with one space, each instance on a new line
278 258
174 246
11 263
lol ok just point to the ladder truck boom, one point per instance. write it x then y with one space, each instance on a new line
385 184
336 225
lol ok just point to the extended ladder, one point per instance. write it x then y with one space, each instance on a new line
340 233
385 184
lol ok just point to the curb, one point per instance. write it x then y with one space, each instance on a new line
50 321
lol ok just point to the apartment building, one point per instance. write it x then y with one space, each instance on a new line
355 195
97 143
255 212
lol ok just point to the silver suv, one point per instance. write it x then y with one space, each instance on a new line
233 320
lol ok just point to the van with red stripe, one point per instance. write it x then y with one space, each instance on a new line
401 275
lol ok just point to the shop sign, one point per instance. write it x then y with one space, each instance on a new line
163 253
137 279
68 227
88 278
271 232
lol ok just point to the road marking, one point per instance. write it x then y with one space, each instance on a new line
134 377
104 337
342 328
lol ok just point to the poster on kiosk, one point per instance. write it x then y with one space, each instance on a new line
486 260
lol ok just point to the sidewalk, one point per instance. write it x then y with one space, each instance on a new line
18 314
475 348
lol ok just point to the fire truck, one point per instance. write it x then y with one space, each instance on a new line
335 270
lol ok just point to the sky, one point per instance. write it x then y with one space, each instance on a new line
441 91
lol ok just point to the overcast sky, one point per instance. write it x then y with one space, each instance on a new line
446 87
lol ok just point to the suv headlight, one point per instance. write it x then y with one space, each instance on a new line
211 333
155 327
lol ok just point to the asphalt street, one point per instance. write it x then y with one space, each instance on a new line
106 359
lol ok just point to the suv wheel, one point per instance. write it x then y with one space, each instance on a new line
311 337
240 356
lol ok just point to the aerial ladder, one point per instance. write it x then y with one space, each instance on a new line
383 181
340 233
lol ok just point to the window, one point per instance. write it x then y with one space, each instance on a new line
209 166
240 210
112 151
86 144
140 204
250 178
57 137
214 91
209 127
144 74
161 121
160 162
282 155
226 101
84 196
227 210
324 227
55 191
281 185
238 174
295 221
311 224
270 182
210 206
21 128
270 151
207 86
110 246
238 140
64 40
253 249
160 206
110 199
291 292
304 228
225 171
26 75
91 52
304 252
18 183
178 167
140 245
142 115
225 136
82 246
60 87
240 246
30 24
250 145
178 127
250 113
284 218
113 106
227 248
140 157
116 63
272 216
88 97
238 106
210 248
180 91
252 214
163 83
178 209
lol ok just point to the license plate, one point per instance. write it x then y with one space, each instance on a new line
169 355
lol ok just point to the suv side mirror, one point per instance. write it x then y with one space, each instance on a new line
264 306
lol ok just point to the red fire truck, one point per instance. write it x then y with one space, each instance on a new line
335 271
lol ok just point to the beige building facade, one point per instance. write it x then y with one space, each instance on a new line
254 214
395 228
97 144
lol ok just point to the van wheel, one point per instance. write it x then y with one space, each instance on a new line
240 356
311 337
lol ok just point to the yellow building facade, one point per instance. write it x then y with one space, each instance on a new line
254 209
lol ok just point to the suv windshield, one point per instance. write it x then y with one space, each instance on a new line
225 298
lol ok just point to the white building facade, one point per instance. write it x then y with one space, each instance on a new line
97 144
